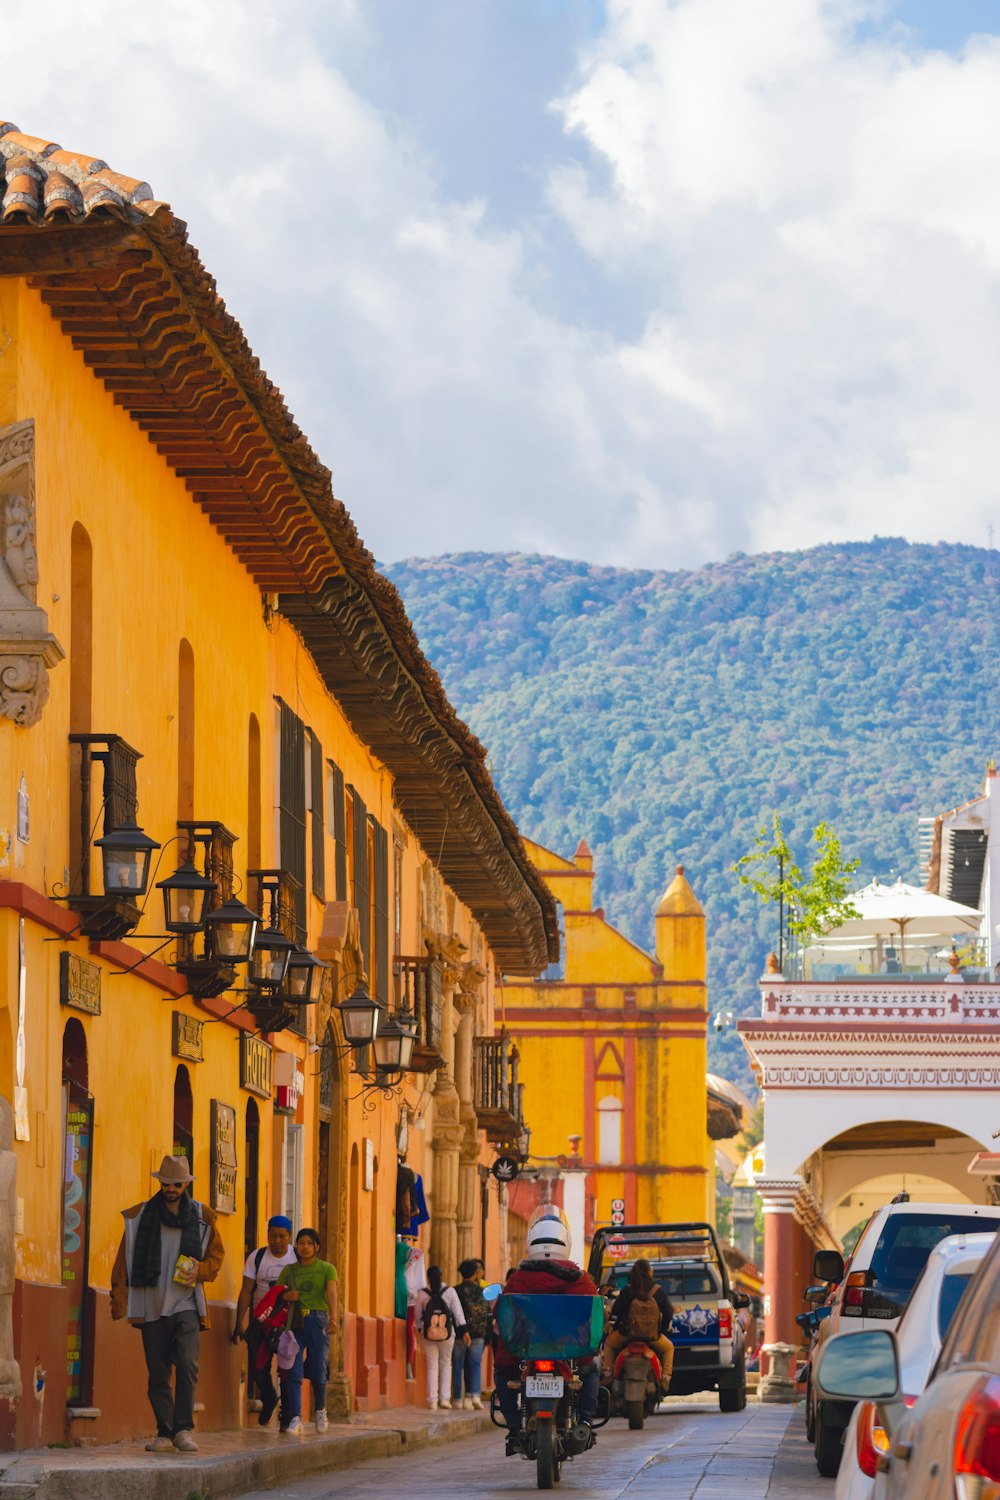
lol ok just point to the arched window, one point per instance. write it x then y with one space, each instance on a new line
251 1160
185 732
183 1115
609 1132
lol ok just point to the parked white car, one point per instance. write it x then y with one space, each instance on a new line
947 1445
920 1333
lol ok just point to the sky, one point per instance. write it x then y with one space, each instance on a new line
643 282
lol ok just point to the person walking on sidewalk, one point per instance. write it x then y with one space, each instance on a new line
264 1266
440 1318
311 1286
171 1246
467 1355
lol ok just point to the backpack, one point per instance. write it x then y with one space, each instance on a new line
438 1323
644 1318
478 1318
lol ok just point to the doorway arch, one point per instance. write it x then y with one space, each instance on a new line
183 1137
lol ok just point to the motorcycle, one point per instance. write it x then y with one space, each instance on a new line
636 1382
550 1336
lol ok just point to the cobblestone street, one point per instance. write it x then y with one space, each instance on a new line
687 1451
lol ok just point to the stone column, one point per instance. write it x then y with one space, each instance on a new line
446 1141
781 1332
466 1001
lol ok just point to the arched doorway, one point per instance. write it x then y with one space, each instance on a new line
183 1137
251 1159
77 1139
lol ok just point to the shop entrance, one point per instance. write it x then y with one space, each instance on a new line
77 1143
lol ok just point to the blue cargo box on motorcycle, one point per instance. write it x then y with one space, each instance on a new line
541 1326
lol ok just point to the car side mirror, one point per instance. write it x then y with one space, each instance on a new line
817 1293
740 1299
858 1367
804 1321
821 1313
828 1265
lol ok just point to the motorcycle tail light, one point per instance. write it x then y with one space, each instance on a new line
873 1440
725 1322
976 1456
545 1365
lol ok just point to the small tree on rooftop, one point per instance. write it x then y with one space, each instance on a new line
808 905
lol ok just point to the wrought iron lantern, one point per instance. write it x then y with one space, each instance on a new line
269 959
303 977
184 896
359 1016
231 931
125 855
393 1048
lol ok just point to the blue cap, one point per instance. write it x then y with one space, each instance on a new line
278 1221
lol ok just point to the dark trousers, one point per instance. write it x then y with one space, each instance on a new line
261 1379
171 1344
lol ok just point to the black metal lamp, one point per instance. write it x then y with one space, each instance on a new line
269 959
231 931
184 896
125 854
393 1046
360 1016
303 978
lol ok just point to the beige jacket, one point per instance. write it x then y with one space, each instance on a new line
208 1266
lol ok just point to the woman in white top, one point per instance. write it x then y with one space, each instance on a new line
440 1319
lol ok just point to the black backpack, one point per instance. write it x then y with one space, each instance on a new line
478 1318
437 1321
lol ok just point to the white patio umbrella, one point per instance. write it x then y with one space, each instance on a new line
903 911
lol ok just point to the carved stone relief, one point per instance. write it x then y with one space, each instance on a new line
27 648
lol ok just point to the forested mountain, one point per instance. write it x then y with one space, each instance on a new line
665 715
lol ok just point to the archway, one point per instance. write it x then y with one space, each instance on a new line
183 1137
77 1139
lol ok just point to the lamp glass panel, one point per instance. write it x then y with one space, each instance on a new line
233 940
125 871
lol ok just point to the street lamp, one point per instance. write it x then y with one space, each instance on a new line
393 1047
230 932
125 855
359 1016
269 959
184 896
303 978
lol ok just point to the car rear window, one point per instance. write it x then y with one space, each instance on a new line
905 1243
952 1287
679 1282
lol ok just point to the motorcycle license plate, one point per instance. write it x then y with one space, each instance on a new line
543 1385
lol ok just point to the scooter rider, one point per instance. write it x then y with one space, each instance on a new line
547 1269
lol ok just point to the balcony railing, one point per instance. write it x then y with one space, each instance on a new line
942 1003
497 1094
417 989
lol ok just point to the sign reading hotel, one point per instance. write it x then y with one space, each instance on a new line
188 1039
255 1065
223 1157
79 983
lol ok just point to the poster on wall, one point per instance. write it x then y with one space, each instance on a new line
223 1157
78 1139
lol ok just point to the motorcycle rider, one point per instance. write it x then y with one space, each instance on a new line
547 1269
624 1327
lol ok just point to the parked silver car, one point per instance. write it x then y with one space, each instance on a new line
947 1445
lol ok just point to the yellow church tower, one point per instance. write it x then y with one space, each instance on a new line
612 1046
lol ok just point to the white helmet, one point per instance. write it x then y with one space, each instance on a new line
548 1234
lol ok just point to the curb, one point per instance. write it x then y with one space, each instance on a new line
39 1477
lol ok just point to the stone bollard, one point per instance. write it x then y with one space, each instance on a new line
778 1385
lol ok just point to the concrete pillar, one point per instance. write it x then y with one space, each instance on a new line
781 1260
446 1141
466 1001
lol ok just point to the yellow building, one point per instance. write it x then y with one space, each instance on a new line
193 637
612 1053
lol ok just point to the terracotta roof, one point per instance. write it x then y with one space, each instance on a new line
116 269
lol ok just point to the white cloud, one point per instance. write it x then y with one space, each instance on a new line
805 230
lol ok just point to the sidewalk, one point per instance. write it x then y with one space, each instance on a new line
227 1463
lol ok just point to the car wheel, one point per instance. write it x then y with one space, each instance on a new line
828 1447
810 1414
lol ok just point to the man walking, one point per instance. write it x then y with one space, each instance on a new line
170 1248
260 1274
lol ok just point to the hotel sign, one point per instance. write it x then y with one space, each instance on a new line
79 983
188 1039
255 1065
223 1157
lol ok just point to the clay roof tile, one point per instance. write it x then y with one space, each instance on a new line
20 200
62 196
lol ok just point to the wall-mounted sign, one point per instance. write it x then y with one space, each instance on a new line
255 1065
188 1039
289 1083
23 812
80 983
618 1210
223 1157
506 1168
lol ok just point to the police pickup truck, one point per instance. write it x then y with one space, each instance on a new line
687 1262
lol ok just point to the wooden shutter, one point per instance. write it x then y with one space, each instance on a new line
360 894
292 810
339 835
380 896
318 826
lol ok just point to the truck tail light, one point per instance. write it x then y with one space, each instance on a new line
854 1294
976 1457
873 1440
725 1322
